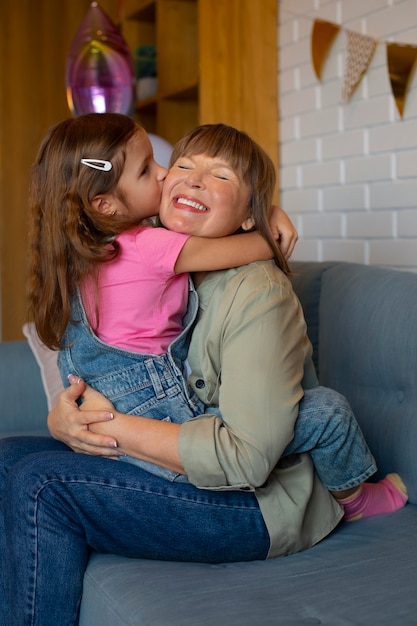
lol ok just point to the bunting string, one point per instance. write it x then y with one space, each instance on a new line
401 58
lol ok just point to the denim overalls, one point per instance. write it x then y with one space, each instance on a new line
135 383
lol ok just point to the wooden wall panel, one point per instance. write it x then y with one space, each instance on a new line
239 67
34 42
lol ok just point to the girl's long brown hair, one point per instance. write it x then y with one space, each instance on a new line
67 237
252 164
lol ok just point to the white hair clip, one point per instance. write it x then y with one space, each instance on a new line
97 164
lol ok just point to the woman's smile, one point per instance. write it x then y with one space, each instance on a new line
184 202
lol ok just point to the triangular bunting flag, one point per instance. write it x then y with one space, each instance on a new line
360 50
401 60
322 36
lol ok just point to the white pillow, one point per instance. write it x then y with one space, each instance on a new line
47 361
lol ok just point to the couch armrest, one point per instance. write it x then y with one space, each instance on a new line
22 397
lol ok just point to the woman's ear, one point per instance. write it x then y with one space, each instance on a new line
248 224
103 204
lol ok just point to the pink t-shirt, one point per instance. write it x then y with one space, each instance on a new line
141 301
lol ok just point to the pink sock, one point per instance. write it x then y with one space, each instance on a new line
387 496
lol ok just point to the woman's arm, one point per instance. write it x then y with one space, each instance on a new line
144 438
96 428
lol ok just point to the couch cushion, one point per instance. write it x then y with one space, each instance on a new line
306 280
23 401
368 352
365 573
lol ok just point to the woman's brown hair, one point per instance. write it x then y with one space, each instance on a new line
249 161
67 237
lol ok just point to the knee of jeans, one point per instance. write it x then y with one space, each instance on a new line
340 403
324 396
327 408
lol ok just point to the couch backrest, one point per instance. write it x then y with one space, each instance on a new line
23 401
362 321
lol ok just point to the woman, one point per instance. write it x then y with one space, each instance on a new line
247 497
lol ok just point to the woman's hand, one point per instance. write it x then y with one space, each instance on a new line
283 230
85 429
68 423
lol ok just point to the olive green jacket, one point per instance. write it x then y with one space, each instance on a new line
250 356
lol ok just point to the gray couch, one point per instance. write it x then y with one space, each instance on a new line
362 322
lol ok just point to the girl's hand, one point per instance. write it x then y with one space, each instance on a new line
69 424
283 230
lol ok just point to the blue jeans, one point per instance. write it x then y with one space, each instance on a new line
59 505
328 430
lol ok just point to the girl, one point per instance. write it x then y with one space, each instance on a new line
108 289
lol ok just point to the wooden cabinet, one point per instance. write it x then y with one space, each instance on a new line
217 62
172 26
34 43
239 67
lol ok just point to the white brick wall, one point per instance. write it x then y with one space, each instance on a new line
348 171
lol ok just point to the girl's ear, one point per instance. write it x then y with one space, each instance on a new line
103 204
248 224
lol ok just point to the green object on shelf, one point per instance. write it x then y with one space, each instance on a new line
145 61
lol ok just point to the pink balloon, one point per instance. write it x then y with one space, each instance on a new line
100 74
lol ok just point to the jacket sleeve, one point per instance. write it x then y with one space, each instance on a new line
253 348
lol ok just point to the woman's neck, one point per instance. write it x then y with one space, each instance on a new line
198 278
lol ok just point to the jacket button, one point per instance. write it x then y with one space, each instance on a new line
199 383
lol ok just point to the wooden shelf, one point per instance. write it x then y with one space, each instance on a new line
172 26
189 92
145 12
217 61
